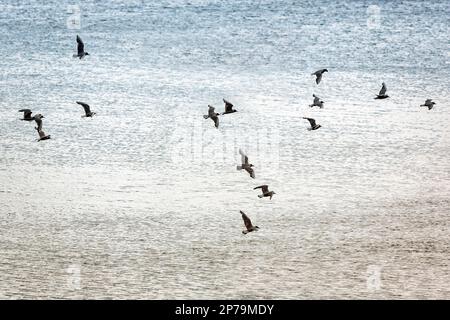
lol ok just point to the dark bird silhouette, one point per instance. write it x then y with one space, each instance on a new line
213 115
228 107
265 191
317 102
245 165
80 49
26 115
319 74
38 118
382 94
314 126
248 224
87 109
42 136
428 103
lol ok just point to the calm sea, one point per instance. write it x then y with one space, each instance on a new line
142 201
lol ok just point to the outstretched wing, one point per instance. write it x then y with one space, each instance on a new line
250 171
316 100
26 113
312 122
87 108
228 106
38 120
428 101
247 221
211 111
80 45
318 78
264 187
244 158
383 90
216 121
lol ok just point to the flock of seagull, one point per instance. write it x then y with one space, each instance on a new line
38 117
245 165
214 116
317 102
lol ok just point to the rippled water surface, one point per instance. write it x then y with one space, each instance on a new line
142 201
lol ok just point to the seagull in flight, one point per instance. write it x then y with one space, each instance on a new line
26 115
428 103
245 165
382 94
213 115
87 109
248 223
38 118
265 191
319 74
317 102
228 107
80 49
42 136
314 126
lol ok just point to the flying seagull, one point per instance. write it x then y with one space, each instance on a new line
319 74
317 102
245 165
314 126
87 109
248 223
38 118
428 103
80 49
213 115
42 136
382 94
26 115
265 191
228 107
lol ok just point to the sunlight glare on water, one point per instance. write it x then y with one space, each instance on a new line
142 201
